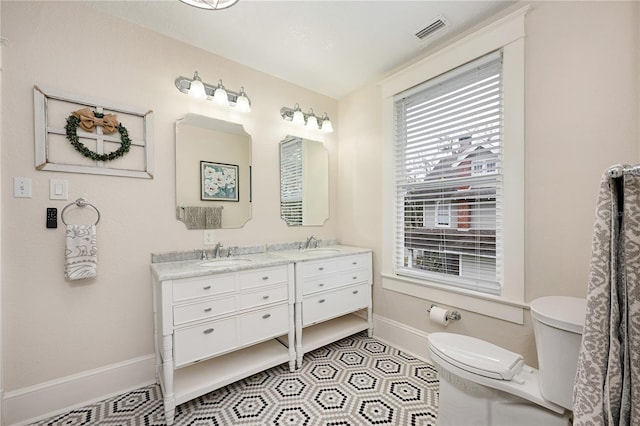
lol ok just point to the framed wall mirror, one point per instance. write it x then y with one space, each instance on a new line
304 182
213 173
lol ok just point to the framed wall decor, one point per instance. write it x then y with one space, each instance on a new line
218 182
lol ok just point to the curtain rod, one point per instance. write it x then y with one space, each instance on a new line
619 171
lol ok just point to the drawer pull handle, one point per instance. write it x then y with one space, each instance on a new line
207 287
207 310
265 316
265 278
321 268
265 297
321 301
321 285
354 263
355 291
208 331
355 278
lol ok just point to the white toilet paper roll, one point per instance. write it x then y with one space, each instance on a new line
439 315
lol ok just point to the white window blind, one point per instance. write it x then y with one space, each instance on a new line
448 150
291 181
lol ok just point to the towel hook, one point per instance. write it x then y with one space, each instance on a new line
80 202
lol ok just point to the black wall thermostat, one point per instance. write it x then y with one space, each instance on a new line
52 217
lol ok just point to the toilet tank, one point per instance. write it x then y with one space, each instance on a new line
557 326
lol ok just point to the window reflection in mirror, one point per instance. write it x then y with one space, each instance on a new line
304 182
220 146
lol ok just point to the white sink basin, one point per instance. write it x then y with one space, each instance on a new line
320 250
219 263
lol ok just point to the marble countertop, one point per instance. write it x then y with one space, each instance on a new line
193 268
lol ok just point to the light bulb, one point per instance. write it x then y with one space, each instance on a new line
312 121
196 88
327 127
242 102
298 116
220 96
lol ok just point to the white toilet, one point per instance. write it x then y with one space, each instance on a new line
484 384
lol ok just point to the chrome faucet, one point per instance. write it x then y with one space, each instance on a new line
216 250
203 254
307 245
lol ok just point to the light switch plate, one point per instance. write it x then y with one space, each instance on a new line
21 187
58 189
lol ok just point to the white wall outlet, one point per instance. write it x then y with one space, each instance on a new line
21 187
208 237
58 189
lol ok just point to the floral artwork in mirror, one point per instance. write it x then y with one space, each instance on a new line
218 182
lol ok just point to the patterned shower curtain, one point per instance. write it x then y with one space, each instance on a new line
607 389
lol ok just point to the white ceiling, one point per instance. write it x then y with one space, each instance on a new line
331 47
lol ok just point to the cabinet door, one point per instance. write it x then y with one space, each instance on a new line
203 341
323 306
264 324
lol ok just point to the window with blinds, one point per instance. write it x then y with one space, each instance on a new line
291 181
448 151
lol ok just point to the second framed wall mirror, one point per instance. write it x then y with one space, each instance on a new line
304 182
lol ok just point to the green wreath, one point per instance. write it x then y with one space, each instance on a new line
72 126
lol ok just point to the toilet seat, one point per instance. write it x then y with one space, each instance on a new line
523 383
476 356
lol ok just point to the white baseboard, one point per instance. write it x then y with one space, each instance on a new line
28 405
407 339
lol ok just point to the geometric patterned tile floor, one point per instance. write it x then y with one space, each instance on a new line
356 381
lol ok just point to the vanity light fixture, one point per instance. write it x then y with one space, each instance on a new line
309 120
196 87
210 4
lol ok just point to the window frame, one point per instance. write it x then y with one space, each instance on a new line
507 34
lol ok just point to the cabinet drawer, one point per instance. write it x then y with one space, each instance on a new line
322 283
203 341
318 267
353 262
264 324
264 276
202 310
264 296
334 303
191 288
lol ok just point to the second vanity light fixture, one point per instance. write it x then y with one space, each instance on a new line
308 119
218 94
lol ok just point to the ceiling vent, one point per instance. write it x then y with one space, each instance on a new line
436 26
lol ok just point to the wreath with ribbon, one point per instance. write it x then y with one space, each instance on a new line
88 120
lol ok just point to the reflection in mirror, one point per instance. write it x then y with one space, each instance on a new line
213 173
304 182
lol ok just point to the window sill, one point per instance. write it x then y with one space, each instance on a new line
492 306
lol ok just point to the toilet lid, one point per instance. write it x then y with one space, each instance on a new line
476 356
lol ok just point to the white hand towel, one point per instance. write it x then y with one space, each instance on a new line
81 252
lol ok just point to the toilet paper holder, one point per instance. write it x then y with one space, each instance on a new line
451 316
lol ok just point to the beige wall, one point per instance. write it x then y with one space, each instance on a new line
54 328
582 106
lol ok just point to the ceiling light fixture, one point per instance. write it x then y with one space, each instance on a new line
309 120
196 87
210 4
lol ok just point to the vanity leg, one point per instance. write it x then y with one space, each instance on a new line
299 353
291 339
167 375
370 315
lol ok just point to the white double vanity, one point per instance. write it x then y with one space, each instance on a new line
221 320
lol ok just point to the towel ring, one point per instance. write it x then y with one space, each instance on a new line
80 202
